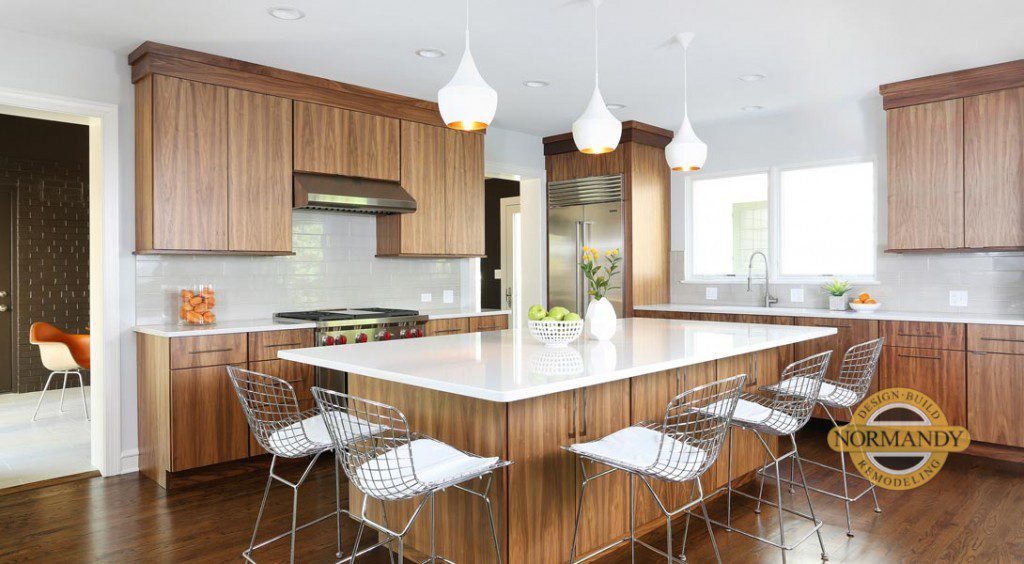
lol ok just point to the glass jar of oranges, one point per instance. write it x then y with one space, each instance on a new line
196 305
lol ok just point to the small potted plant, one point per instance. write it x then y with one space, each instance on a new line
837 290
600 317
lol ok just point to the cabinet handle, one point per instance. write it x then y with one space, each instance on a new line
922 335
920 356
680 374
572 434
1002 340
753 371
584 412
282 345
210 351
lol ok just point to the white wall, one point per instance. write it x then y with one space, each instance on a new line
851 129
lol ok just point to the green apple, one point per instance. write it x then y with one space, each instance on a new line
571 317
537 313
549 318
558 312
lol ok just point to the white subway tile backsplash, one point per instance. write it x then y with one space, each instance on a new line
334 265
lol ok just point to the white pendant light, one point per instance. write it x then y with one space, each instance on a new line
596 131
467 102
686 152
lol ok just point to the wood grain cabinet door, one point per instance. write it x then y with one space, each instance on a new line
423 176
259 172
994 169
331 140
208 425
941 375
995 398
464 193
926 180
455 326
190 172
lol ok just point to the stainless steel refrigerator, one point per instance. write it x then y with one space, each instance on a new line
582 212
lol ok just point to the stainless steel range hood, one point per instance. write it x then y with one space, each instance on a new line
350 194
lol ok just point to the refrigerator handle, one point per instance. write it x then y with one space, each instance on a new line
579 273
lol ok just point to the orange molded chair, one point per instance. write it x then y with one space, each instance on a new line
61 353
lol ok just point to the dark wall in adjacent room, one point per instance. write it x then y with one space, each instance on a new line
44 169
490 289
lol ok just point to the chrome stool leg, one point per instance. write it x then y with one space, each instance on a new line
63 389
632 518
874 497
579 513
42 395
807 494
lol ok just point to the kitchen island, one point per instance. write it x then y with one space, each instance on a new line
504 394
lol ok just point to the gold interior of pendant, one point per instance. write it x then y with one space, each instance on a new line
686 168
468 125
597 150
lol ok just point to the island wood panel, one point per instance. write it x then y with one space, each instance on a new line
602 410
925 178
995 398
190 162
423 176
693 376
472 425
746 450
995 338
208 425
850 332
924 335
455 326
259 211
488 323
154 397
647 220
300 376
994 169
464 193
542 482
567 166
939 374
331 140
650 395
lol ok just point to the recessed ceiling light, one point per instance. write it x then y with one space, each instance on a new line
285 13
615 106
752 108
430 53
536 83
751 77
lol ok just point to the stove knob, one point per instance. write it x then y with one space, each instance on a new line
361 338
329 340
419 332
385 336
342 339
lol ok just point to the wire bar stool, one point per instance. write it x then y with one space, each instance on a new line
282 429
779 413
679 448
386 461
860 364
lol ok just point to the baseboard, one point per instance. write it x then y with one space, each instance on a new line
130 461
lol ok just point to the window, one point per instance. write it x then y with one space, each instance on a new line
729 223
813 222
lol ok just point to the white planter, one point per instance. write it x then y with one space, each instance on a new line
837 303
600 320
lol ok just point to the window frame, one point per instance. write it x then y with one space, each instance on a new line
774 175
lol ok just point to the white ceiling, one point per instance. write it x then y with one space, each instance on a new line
812 51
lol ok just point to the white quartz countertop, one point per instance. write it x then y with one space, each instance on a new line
257 325
882 314
506 366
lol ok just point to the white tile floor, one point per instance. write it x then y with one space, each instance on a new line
55 445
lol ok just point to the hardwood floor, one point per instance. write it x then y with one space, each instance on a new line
969 512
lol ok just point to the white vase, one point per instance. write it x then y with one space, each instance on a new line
837 303
600 319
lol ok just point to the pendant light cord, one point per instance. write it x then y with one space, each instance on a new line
597 6
686 74
467 25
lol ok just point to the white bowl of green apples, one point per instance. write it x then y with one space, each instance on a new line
556 327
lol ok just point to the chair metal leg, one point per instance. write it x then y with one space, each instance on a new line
686 528
579 513
391 545
807 494
778 495
490 517
433 534
359 537
728 485
295 523
874 497
842 469
760 490
63 389
81 386
337 501
632 518
707 521
263 505
401 550
42 395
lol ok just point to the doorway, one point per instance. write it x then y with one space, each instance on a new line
497 269
44 277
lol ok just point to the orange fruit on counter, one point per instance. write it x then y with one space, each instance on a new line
208 317
870 301
186 295
864 297
182 312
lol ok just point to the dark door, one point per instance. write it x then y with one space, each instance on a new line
6 289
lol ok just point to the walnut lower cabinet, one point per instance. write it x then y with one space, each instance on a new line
460 325
189 414
995 384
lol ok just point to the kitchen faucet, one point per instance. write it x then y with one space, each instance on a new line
769 299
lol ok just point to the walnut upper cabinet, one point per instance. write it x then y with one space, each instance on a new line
331 140
443 170
213 168
956 160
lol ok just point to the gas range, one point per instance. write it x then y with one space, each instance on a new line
359 325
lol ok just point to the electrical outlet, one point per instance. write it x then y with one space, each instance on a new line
958 298
426 297
710 293
796 295
449 296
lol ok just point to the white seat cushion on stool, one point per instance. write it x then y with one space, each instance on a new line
315 428
757 414
829 392
390 475
637 448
